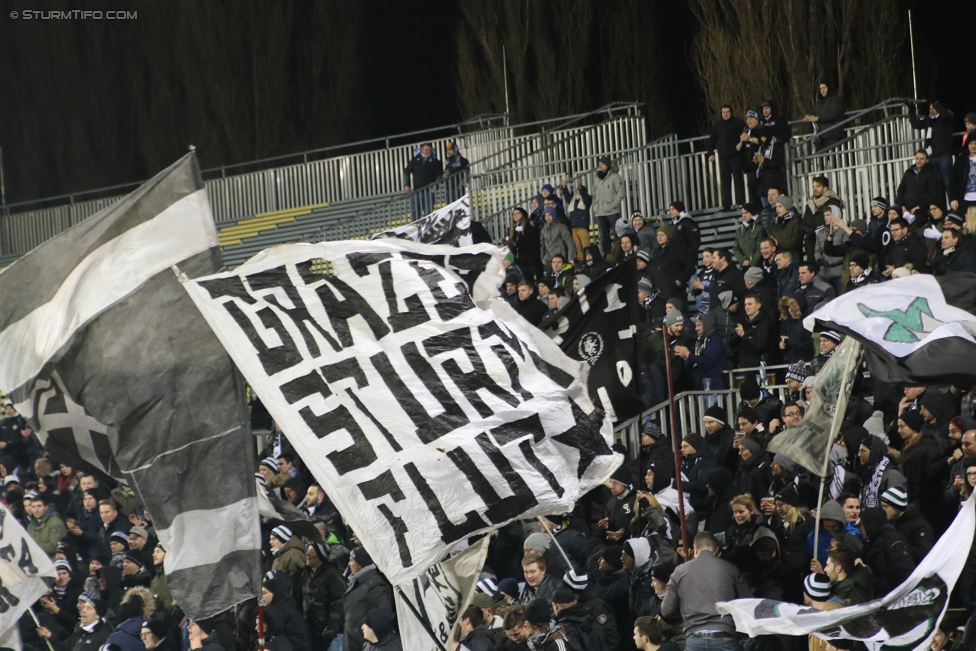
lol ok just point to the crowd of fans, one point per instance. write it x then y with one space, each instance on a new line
612 573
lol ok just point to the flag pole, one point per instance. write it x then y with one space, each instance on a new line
835 422
38 623
261 625
569 563
675 446
419 618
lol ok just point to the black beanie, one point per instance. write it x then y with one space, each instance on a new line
913 419
382 621
716 412
862 260
133 607
156 626
359 555
719 480
206 625
537 612
749 389
611 556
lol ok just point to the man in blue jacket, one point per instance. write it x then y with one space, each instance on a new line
707 360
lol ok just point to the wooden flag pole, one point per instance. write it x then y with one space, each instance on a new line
675 438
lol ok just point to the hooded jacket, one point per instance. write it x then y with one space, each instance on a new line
707 358
595 267
641 590
366 590
747 239
479 639
887 552
917 531
127 635
830 110
47 531
687 232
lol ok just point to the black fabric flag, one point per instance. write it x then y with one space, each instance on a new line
916 329
106 356
599 326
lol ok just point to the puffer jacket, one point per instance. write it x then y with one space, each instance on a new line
290 558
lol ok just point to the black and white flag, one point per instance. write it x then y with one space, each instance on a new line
449 225
427 409
106 356
599 326
905 618
428 608
25 572
916 329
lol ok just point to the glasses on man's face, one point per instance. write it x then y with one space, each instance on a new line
971 474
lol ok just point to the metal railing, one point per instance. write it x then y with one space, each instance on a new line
690 408
509 165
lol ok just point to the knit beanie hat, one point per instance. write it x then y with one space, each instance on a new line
652 430
753 275
862 260
119 536
749 443
678 205
576 582
788 464
716 413
749 389
508 587
381 621
645 286
859 225
95 601
282 533
817 586
645 256
786 202
896 497
830 334
913 419
359 555
695 440
880 202
673 317
797 371
537 612
662 572
667 230
270 463
156 626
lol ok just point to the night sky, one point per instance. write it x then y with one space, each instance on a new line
411 50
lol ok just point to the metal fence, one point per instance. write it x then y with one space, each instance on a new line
510 163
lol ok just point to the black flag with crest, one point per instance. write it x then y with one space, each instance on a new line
599 326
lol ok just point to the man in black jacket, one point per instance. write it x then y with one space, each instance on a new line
937 126
903 248
474 635
720 436
322 587
756 335
425 169
722 141
908 520
367 590
887 552
921 186
575 621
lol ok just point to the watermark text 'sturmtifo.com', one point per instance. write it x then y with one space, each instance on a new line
74 14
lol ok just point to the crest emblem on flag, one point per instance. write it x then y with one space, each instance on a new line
591 347
907 324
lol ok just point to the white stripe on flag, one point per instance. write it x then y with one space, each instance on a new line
105 277
186 550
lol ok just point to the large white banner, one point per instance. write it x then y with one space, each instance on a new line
430 606
448 225
906 618
23 568
428 410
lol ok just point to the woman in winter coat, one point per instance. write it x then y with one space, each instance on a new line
555 239
672 260
828 110
792 526
794 341
876 473
523 240
739 536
